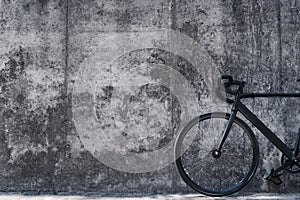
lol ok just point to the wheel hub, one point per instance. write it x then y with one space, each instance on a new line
216 154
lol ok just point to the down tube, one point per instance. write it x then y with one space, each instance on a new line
265 130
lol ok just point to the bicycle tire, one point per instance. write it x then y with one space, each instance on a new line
230 156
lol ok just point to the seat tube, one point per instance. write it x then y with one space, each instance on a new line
296 146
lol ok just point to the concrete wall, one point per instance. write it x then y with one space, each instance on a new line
64 100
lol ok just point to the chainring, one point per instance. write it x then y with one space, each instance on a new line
290 166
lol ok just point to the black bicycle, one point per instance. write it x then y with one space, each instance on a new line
217 153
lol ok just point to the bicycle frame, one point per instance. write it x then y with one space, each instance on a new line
212 145
240 107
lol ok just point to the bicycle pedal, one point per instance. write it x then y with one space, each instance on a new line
274 177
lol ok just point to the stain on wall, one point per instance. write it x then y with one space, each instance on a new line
32 100
44 43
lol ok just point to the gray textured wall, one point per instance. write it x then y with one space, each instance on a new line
51 49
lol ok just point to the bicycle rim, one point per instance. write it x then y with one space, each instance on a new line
216 176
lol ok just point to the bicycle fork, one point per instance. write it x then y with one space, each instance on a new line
217 153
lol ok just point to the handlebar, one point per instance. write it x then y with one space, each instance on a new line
224 85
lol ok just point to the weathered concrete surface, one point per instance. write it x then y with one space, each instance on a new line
45 44
32 94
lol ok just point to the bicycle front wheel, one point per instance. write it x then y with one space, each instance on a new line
215 175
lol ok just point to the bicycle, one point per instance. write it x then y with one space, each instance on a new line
217 154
